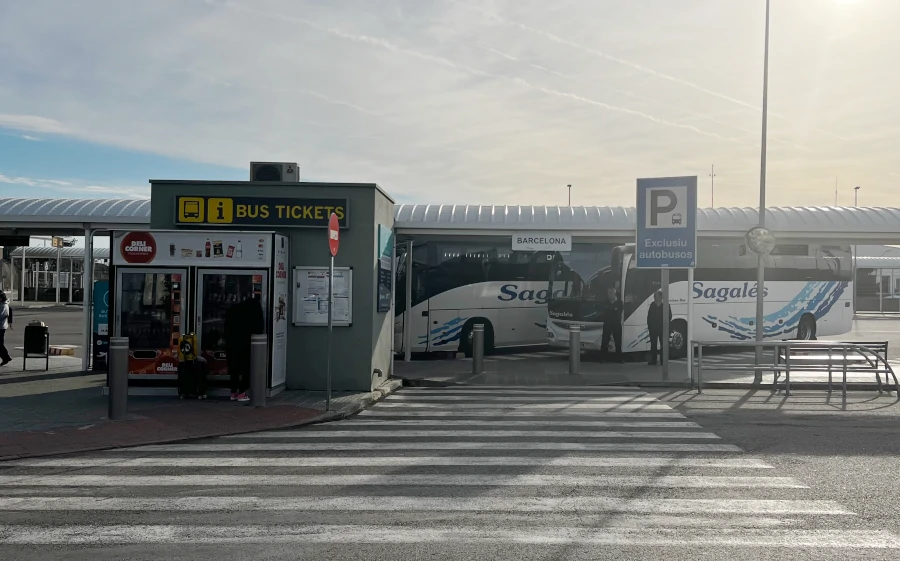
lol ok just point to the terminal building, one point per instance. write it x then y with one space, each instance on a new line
177 261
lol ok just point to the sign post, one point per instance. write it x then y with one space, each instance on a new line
667 239
334 240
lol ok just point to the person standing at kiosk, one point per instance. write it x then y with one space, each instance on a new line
241 321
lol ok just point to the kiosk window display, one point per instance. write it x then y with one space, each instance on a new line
172 282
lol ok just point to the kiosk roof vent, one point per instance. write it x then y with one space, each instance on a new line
274 171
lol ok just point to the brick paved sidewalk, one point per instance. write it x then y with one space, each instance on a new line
75 421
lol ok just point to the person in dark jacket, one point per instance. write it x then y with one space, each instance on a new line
612 324
241 321
655 325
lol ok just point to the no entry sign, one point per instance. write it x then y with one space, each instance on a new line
334 234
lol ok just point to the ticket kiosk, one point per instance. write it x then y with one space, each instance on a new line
167 283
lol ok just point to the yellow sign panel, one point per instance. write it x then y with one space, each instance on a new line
220 211
302 212
191 209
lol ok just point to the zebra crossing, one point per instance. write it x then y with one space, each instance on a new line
441 472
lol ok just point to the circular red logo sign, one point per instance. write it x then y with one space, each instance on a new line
138 248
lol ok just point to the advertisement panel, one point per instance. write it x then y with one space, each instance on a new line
100 332
385 267
183 249
281 288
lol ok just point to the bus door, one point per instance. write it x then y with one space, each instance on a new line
418 316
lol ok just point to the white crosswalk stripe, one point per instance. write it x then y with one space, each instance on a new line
588 468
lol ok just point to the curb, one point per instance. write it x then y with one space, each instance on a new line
376 395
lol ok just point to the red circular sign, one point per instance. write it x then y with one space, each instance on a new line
334 234
138 248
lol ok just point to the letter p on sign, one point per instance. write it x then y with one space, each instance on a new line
667 207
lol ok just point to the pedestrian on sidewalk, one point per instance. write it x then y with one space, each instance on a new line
241 321
612 325
6 321
655 326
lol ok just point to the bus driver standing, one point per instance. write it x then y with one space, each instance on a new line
612 325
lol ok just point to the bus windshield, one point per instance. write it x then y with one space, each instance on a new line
578 282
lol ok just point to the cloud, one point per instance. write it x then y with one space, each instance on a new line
635 66
73 187
440 104
32 123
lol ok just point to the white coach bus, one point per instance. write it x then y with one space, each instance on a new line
458 283
808 293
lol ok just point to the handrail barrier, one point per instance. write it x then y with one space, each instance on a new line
805 356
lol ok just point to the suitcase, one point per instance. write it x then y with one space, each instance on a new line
191 380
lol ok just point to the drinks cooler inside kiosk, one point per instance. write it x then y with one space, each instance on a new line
168 283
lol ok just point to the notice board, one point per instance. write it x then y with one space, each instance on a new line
311 296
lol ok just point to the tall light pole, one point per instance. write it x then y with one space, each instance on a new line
761 263
712 187
856 196
855 284
570 195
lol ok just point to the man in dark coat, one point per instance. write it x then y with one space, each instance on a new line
241 321
612 324
655 325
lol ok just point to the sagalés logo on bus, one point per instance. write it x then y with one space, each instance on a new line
138 248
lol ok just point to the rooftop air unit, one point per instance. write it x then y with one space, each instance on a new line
274 171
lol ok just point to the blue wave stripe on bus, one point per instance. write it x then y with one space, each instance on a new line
447 333
644 337
816 298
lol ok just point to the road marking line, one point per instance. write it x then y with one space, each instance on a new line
493 412
512 399
498 406
368 446
426 504
507 423
352 535
441 480
488 433
391 461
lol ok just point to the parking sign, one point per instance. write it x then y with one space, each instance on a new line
666 223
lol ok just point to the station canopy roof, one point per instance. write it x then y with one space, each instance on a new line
867 225
47 252
877 225
71 216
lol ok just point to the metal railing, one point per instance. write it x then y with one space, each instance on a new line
850 358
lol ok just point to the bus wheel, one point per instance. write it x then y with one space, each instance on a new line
678 339
806 331
467 337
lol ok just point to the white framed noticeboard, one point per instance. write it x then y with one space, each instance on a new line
311 296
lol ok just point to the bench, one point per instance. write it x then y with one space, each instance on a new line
844 357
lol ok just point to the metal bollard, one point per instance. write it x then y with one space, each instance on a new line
574 349
258 367
477 348
118 378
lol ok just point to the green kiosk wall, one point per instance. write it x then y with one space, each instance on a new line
358 350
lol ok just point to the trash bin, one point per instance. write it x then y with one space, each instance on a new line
37 343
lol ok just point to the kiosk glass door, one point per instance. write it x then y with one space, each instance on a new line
217 292
149 306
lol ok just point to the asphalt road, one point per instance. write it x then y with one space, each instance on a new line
485 473
65 323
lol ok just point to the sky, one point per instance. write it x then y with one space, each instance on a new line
453 102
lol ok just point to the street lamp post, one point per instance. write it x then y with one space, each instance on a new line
570 195
712 187
761 264
856 196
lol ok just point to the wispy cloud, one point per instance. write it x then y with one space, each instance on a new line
73 187
388 45
632 65
32 123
